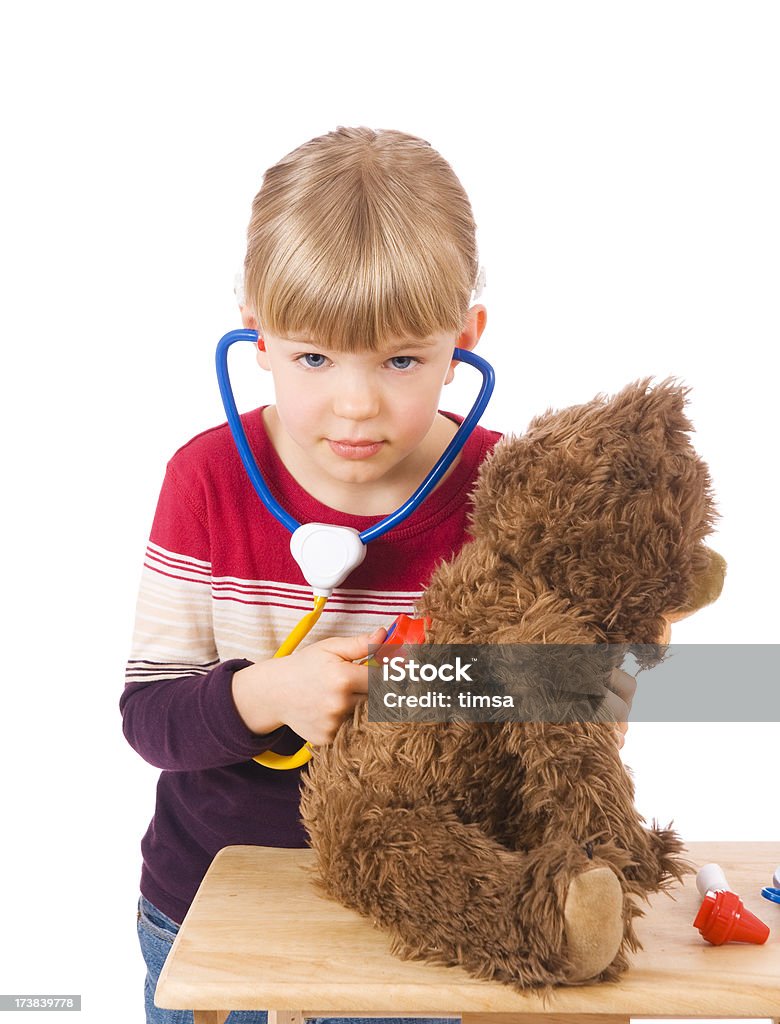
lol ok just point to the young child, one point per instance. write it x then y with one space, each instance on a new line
359 276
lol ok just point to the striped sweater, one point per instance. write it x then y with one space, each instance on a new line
220 590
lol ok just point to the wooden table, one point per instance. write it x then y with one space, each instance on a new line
259 936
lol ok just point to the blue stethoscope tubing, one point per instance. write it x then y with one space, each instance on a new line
405 510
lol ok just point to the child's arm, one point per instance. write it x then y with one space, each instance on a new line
239 709
190 723
177 705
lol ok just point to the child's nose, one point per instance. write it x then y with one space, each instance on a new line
356 399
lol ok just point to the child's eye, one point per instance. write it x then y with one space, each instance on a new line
317 360
406 361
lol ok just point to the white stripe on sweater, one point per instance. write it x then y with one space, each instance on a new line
183 627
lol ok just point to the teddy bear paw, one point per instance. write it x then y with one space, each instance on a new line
593 922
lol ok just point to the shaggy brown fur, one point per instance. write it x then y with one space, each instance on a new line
462 840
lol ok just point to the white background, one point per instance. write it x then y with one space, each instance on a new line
623 164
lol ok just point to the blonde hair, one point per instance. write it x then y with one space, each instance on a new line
358 236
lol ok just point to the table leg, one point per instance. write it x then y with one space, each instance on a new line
210 1016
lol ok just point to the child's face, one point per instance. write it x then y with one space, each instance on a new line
331 404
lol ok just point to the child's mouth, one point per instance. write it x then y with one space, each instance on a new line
364 450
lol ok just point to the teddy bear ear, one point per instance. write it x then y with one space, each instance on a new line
607 502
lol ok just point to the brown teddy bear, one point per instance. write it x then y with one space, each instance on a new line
514 849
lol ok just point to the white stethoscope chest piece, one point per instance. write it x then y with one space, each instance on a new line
326 554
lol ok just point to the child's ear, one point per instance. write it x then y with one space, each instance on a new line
262 356
248 319
475 325
470 335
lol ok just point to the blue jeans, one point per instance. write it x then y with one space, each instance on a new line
156 933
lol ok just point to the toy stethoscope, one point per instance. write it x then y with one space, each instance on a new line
328 554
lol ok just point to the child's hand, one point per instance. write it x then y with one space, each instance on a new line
311 690
622 688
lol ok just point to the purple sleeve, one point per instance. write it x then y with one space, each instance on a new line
191 723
